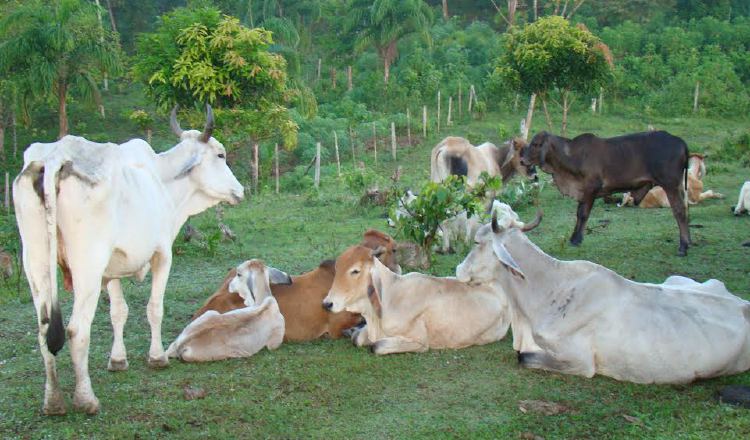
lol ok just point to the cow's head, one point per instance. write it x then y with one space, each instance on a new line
253 281
489 255
377 240
206 163
356 287
697 165
513 158
535 152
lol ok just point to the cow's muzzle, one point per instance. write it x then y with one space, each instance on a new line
327 305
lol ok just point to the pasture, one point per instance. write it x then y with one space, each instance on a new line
330 389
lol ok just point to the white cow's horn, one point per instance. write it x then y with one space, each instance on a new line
209 128
533 224
173 122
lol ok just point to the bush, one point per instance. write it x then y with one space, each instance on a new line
736 149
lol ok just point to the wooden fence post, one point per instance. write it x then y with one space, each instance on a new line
255 168
695 96
276 155
424 121
351 142
349 78
471 101
333 77
593 105
438 113
460 110
601 99
336 145
393 140
529 115
515 103
408 127
317 165
449 121
375 142
320 62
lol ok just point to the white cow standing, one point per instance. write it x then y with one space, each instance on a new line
104 212
577 317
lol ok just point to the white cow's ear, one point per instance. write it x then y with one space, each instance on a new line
504 256
194 161
275 276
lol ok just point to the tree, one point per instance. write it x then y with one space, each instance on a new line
57 50
199 56
383 23
551 55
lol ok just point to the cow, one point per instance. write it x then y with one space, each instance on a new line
414 312
458 228
241 332
657 197
743 203
456 156
577 317
299 301
588 167
105 212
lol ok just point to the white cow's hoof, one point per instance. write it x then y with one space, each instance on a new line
54 404
88 404
159 362
117 365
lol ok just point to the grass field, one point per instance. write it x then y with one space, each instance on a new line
330 389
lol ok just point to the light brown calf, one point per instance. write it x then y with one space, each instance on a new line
300 303
657 198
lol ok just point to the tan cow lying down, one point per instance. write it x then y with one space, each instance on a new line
455 155
241 332
577 317
743 204
657 198
414 312
300 301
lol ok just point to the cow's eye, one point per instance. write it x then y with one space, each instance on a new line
355 271
221 156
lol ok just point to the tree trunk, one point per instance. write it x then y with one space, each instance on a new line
111 16
445 9
15 137
535 10
386 70
2 133
546 113
512 6
529 115
62 94
349 84
565 106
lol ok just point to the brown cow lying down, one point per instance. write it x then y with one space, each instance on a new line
300 301
238 333
657 198
456 156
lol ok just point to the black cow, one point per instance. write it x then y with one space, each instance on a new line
588 167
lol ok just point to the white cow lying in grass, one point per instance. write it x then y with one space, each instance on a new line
743 203
414 312
577 317
238 333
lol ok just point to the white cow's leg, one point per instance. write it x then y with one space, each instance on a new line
397 344
276 338
360 337
87 288
160 266
118 312
569 355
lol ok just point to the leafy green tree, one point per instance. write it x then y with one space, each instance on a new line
201 56
381 24
553 55
55 49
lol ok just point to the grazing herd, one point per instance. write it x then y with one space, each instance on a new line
102 212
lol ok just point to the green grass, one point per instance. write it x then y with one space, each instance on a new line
330 389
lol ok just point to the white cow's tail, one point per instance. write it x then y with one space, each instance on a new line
55 331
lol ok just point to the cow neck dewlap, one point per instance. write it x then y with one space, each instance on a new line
186 199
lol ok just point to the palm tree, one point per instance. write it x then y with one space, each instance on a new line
383 23
57 49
